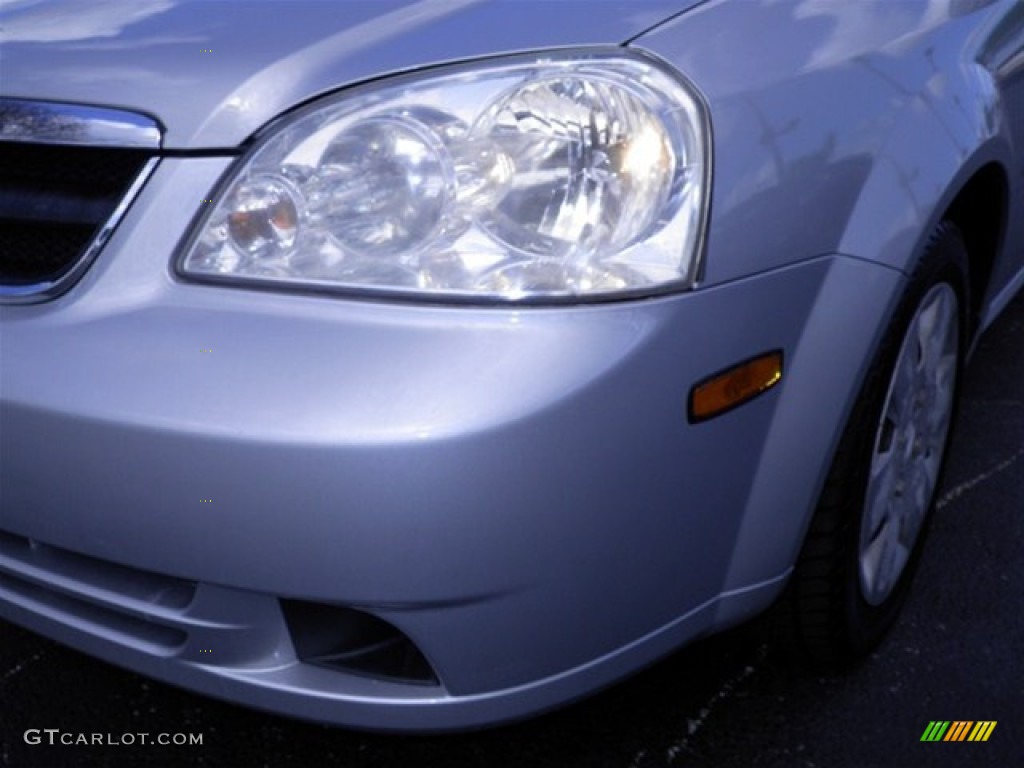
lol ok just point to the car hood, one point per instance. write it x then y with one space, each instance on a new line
213 72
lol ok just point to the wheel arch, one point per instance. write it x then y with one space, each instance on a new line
980 211
893 222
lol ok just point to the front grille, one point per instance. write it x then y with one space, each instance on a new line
55 201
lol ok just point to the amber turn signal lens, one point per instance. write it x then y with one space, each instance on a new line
735 386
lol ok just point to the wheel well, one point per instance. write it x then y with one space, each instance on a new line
979 211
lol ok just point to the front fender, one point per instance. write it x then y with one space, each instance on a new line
932 152
843 128
837 127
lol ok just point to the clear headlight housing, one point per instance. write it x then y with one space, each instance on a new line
554 177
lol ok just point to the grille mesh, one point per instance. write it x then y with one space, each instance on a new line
53 201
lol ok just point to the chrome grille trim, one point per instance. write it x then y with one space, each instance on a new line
45 122
67 128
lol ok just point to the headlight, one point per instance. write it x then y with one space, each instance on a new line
557 176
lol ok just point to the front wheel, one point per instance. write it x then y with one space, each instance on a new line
858 559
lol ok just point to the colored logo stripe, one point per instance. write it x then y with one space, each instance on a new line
935 730
982 730
958 730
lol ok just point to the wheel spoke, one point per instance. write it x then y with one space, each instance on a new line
942 390
918 497
927 331
870 560
898 408
876 505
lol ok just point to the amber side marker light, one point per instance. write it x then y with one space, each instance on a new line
734 386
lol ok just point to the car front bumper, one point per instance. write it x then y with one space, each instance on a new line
517 491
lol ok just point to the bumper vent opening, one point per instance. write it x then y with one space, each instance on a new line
352 641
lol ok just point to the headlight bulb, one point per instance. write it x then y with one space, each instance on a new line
388 180
264 219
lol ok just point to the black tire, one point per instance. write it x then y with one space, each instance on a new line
824 617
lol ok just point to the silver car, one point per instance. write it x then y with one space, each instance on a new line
427 364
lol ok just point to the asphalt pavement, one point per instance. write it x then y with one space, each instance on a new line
957 654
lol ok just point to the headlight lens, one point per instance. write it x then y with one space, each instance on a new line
554 177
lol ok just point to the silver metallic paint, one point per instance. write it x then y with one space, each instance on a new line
517 490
